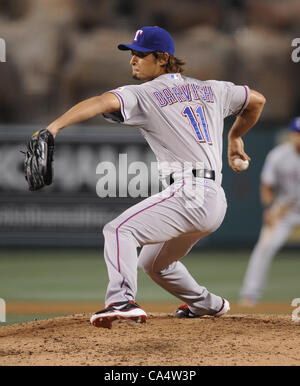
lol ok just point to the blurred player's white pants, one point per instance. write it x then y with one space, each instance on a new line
167 229
271 239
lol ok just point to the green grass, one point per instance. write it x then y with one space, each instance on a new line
81 276
52 276
19 318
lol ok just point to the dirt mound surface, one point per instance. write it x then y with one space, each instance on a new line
240 339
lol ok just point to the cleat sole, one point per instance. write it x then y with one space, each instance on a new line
109 321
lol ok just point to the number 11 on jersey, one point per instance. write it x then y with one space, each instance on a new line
199 127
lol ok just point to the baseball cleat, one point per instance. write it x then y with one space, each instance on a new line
183 311
119 312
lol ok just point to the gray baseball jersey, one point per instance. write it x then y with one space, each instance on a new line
181 118
282 171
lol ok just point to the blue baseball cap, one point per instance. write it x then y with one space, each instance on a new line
295 125
149 39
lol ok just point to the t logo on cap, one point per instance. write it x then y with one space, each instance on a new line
138 32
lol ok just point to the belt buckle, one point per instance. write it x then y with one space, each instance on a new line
204 173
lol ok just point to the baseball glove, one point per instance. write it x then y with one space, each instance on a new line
38 164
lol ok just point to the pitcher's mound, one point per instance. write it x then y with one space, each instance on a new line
240 339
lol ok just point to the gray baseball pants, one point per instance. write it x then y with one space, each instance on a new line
271 239
166 225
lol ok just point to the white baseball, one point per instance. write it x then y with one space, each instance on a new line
240 164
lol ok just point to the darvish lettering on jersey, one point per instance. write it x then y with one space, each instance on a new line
185 93
176 113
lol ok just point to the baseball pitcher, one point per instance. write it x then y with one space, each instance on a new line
181 118
280 195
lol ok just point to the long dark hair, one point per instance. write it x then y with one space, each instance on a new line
174 65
